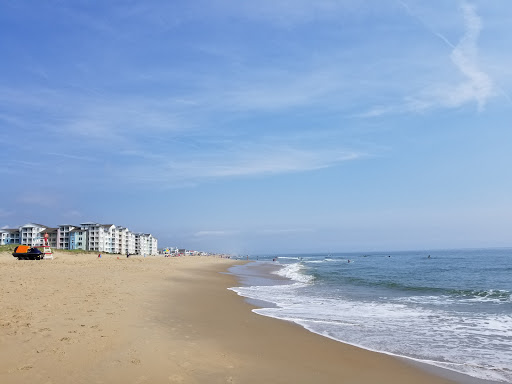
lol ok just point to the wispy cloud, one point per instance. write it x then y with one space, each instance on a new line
425 24
277 160
286 231
216 233
245 161
289 13
475 84
37 199
277 91
152 131
478 85
72 213
263 232
72 157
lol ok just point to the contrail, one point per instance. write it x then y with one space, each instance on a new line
424 24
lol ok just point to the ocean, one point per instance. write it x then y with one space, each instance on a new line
448 308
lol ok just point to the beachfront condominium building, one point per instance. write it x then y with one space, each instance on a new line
78 239
53 236
126 241
141 244
88 236
110 238
146 244
131 242
63 236
120 239
152 245
115 238
9 236
100 236
31 234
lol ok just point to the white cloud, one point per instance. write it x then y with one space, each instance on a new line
289 13
38 199
246 160
286 231
72 157
72 213
478 85
475 84
277 90
215 233
276 160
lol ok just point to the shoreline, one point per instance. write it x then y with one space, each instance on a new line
424 365
162 320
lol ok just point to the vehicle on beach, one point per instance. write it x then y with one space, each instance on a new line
24 252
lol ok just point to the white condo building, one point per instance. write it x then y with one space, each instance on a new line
126 241
146 244
9 236
90 236
31 234
63 233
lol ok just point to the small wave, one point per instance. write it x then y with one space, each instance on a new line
496 295
295 272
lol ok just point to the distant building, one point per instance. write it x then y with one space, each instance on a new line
100 236
53 236
89 236
78 239
125 242
31 234
9 236
63 236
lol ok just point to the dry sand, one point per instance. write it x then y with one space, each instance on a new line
80 319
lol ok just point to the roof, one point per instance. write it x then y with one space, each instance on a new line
34 225
9 230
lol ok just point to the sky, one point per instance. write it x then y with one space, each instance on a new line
271 126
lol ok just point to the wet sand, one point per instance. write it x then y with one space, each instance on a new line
81 319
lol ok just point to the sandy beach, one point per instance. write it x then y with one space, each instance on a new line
80 319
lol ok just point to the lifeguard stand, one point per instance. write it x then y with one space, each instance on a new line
48 254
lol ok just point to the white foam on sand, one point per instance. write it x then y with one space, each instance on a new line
395 328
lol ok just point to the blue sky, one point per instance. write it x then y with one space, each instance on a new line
261 127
